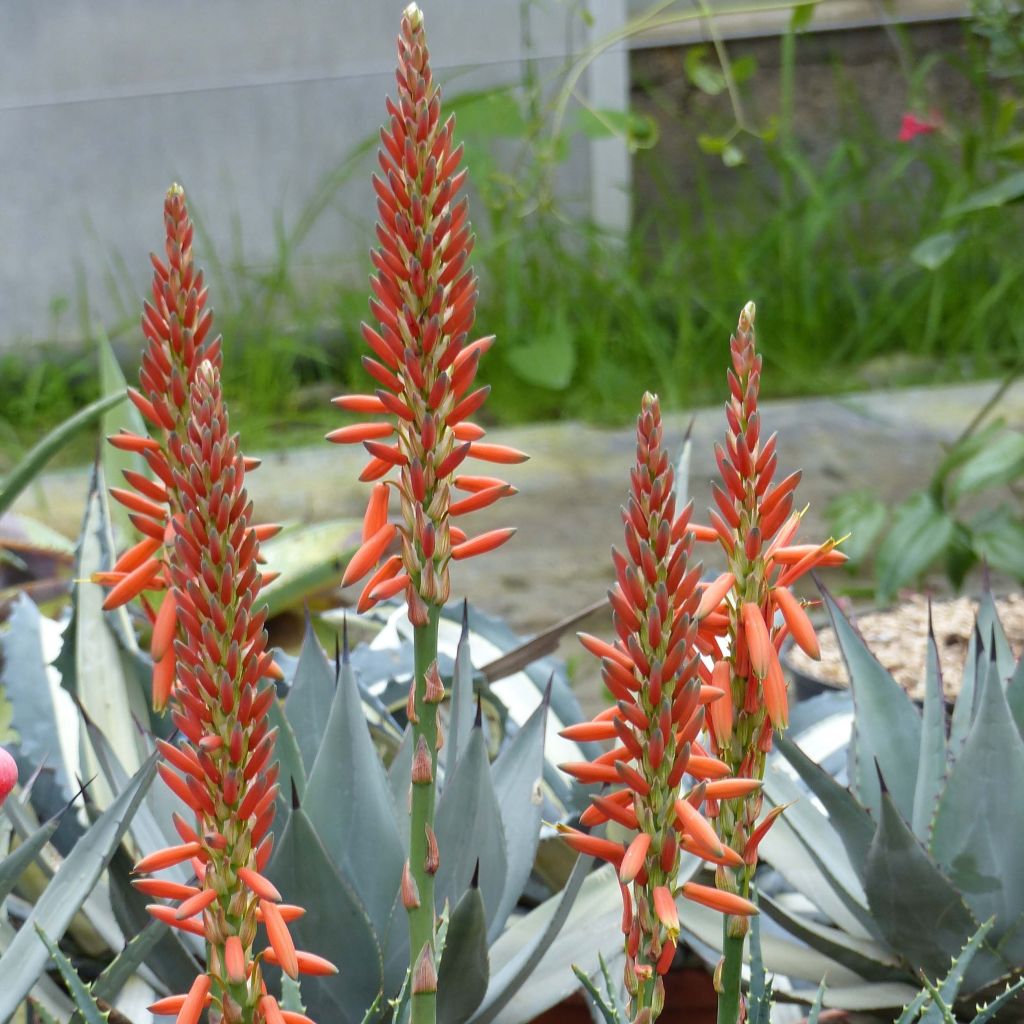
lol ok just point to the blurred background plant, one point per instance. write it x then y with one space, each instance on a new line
898 255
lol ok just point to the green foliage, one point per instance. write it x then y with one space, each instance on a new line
925 845
969 512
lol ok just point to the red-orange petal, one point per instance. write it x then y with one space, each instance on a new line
376 516
796 618
356 433
167 858
714 593
499 453
716 899
368 554
634 857
483 543
260 885
280 938
759 644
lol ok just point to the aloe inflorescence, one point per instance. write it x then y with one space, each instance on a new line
424 302
755 524
654 670
178 328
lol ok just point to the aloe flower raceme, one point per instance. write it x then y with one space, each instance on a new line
756 526
224 768
654 670
425 365
178 330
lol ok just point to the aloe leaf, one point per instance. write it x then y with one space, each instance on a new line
516 955
463 972
871 960
949 987
517 775
26 470
814 1014
919 910
887 728
309 700
470 831
114 460
603 1002
309 559
336 926
989 1011
848 817
14 864
126 964
978 833
82 995
67 891
910 1012
931 764
460 712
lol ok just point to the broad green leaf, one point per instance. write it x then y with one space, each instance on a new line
470 832
860 516
309 700
334 926
705 74
803 15
918 909
79 872
978 832
463 972
931 764
637 131
518 775
82 995
998 537
932 252
548 359
1000 462
1007 190
349 805
494 113
920 534
26 470
887 727
113 459
309 559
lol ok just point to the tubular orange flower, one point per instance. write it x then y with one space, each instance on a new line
653 669
754 522
224 769
177 327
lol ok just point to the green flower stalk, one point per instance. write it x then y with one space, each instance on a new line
424 303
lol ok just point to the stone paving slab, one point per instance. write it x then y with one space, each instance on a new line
567 512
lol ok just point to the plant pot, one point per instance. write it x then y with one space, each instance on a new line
898 637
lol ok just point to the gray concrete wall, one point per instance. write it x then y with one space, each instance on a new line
251 104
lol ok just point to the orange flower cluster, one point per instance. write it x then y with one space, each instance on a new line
425 305
654 671
177 326
224 769
755 525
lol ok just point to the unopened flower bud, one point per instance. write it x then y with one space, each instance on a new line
432 861
410 891
424 978
422 764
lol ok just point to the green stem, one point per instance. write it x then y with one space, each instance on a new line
732 971
421 918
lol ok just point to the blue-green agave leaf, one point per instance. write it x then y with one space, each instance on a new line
1015 695
460 710
518 776
309 700
918 909
931 764
470 831
993 634
887 729
14 864
349 805
978 833
67 891
335 924
975 667
463 972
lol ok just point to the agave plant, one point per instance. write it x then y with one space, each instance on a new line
922 849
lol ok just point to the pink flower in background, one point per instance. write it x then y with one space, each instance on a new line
8 774
911 126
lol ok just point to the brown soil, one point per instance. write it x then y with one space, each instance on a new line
897 638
